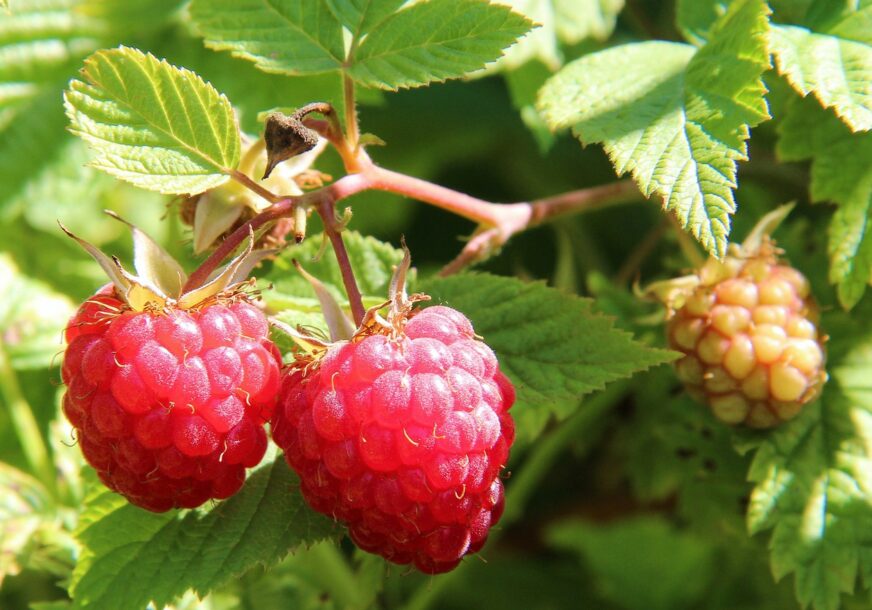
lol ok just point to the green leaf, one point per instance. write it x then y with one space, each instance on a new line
841 173
792 11
539 43
301 581
58 263
827 15
557 21
285 36
131 556
130 16
30 142
360 16
61 604
812 485
23 504
578 20
63 188
371 577
675 450
627 561
524 84
251 89
68 461
832 66
551 344
434 41
41 43
695 17
676 117
34 529
32 317
848 19
155 125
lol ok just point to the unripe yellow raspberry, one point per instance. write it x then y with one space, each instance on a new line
748 332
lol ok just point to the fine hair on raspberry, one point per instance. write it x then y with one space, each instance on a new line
169 406
402 437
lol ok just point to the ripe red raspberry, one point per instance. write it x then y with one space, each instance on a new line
750 339
169 405
402 436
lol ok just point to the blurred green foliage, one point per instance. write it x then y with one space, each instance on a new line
641 507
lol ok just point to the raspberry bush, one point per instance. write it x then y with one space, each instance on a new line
283 381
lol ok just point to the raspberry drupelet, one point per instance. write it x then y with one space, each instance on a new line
169 406
749 336
401 434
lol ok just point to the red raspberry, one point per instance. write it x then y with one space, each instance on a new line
169 406
750 339
402 436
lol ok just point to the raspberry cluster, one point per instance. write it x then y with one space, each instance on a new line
402 436
750 338
169 406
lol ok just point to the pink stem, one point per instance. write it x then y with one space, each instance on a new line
499 221
202 273
342 188
469 207
596 197
327 211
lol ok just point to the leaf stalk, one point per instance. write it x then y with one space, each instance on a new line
333 229
352 131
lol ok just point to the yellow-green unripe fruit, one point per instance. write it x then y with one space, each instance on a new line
749 335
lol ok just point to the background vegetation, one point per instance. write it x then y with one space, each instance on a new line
633 497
